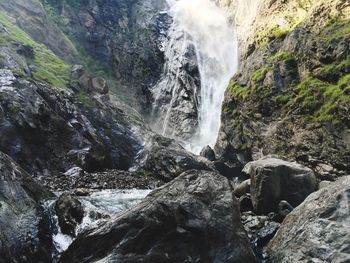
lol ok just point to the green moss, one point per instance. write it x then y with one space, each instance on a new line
260 74
336 29
237 90
335 70
85 98
282 99
163 141
264 36
143 173
283 56
49 68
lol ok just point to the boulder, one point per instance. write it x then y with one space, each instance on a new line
318 230
273 180
70 213
24 232
208 153
243 188
100 85
194 218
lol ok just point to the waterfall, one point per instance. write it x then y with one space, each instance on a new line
200 36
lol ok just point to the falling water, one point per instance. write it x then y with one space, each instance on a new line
205 27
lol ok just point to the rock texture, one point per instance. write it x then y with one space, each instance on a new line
24 230
318 230
47 130
290 96
70 213
274 180
194 218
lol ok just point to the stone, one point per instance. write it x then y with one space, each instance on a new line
75 171
100 85
25 235
318 229
70 213
245 203
208 153
77 71
274 180
194 218
243 188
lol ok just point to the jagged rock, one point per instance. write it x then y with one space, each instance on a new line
242 188
100 85
77 71
70 213
53 129
194 217
274 180
25 50
24 227
166 159
318 229
208 153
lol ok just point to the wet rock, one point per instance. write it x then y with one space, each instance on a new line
273 180
194 217
324 184
242 188
24 230
208 153
82 192
75 171
166 159
318 229
284 208
245 203
70 213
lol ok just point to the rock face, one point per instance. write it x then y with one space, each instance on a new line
70 213
24 232
318 229
278 102
194 218
274 180
50 129
166 159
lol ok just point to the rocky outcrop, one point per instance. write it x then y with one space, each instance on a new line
193 218
24 232
290 96
274 180
166 159
49 130
70 213
318 229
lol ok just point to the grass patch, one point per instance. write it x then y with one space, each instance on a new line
283 56
49 68
260 74
237 90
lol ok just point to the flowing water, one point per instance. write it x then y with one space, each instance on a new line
201 25
105 203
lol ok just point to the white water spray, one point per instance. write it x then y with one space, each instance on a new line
205 26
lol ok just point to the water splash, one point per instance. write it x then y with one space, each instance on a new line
203 26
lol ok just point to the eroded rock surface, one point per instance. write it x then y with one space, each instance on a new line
318 230
194 218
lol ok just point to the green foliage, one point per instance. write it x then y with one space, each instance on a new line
163 141
143 173
336 29
260 74
264 36
85 98
49 68
237 90
283 56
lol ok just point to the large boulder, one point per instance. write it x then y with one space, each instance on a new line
274 180
24 232
318 230
70 213
194 218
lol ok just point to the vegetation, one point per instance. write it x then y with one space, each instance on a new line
48 67
237 90
260 74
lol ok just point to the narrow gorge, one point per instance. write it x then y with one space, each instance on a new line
174 131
